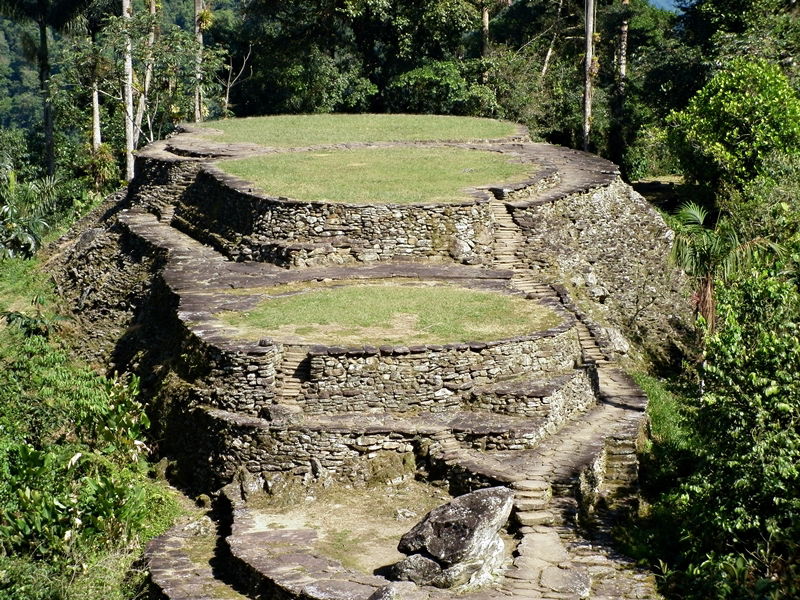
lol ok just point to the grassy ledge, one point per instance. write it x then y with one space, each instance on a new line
288 131
400 175
392 313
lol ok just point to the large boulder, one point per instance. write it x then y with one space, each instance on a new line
458 543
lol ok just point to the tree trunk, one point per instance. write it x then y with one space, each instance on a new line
97 138
622 63
148 77
552 45
198 89
127 94
485 29
47 102
588 74
617 135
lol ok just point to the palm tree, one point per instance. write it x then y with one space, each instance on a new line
709 254
56 14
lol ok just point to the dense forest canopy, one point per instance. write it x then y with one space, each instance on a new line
707 93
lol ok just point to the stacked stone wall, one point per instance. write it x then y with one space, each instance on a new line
223 442
160 179
430 378
237 379
556 399
245 225
608 246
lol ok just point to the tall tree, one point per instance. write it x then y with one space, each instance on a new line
149 64
200 18
46 14
589 72
127 92
94 19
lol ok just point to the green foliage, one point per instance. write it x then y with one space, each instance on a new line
766 207
441 87
73 487
39 323
23 209
709 254
747 422
650 155
723 473
746 112
322 83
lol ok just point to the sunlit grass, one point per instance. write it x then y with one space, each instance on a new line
310 130
379 175
392 313
667 412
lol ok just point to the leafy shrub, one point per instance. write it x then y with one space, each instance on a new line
764 206
440 87
730 527
23 209
730 127
749 423
71 456
650 155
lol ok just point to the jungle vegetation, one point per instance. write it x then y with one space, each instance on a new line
708 93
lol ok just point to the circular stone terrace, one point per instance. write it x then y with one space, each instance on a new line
425 190
349 335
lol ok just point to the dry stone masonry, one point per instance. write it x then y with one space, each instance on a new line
544 423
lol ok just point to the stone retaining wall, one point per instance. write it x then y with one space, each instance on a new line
234 379
608 246
160 179
557 398
223 442
430 378
224 211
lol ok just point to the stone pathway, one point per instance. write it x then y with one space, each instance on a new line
554 477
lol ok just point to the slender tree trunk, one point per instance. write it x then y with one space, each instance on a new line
484 38
127 94
617 135
485 28
97 137
47 101
198 90
622 63
551 47
141 103
588 74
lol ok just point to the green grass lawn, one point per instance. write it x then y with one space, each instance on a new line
401 175
308 130
391 312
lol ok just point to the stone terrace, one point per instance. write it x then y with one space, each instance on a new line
547 413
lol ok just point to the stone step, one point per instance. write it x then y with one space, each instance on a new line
546 492
531 504
180 562
531 485
535 517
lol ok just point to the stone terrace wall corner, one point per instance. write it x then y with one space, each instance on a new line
610 248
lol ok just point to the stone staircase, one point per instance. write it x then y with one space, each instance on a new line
291 374
507 237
